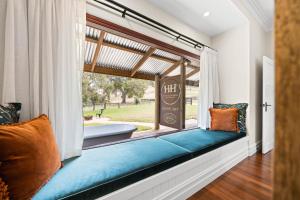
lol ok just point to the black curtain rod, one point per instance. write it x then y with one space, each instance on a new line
125 11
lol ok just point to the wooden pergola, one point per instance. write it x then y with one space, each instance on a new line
155 49
115 50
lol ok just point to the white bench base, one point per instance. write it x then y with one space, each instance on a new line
182 181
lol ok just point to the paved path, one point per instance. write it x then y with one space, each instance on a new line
108 121
189 124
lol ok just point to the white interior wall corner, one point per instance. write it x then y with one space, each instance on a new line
257 48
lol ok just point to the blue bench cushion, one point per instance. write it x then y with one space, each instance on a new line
102 170
199 141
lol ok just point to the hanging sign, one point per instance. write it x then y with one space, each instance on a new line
171 102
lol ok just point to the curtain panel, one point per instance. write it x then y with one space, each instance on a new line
208 86
42 62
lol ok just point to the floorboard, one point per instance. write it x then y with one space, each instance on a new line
249 180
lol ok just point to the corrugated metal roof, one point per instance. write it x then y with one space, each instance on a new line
92 32
125 42
176 71
89 52
115 58
154 66
126 60
166 54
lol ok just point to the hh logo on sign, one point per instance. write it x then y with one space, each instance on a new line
170 88
170 93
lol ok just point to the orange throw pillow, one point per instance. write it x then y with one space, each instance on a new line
224 119
29 156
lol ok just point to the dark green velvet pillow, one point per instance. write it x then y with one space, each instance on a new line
241 115
10 114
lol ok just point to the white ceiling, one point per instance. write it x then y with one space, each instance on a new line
268 6
223 14
263 11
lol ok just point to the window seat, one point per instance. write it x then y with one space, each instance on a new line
100 171
198 141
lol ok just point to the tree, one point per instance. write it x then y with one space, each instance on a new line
130 87
97 88
91 92
85 88
105 84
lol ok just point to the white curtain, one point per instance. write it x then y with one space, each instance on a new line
208 85
42 62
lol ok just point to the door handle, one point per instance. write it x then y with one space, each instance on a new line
265 105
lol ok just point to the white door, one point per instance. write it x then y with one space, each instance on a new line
268 103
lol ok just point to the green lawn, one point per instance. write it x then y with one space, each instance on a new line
139 127
129 113
191 111
136 113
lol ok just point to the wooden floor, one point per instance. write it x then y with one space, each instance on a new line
249 180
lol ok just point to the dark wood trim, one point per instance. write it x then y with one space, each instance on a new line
108 26
142 61
287 100
118 72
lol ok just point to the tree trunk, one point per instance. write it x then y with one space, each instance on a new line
124 97
94 106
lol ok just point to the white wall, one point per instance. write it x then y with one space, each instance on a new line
241 51
257 51
271 44
148 9
233 48
233 52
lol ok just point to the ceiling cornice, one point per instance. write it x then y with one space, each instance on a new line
257 11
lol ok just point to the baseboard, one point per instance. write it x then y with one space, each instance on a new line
254 148
268 147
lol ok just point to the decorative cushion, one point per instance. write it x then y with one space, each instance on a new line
4 195
242 113
224 119
199 141
29 156
99 171
10 114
